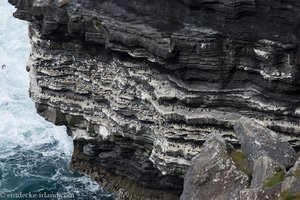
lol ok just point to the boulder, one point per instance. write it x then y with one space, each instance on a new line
262 193
258 141
213 174
264 168
291 182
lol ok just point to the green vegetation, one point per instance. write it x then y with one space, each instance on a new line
276 178
297 173
287 195
240 160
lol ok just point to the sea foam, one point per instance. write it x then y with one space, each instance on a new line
34 154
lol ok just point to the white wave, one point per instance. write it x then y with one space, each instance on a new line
30 147
19 124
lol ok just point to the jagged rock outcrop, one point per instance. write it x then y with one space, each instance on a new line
140 84
291 183
257 141
213 174
253 173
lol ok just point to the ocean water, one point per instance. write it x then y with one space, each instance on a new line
34 154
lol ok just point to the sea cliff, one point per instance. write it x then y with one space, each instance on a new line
145 86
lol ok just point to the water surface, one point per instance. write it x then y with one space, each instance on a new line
34 154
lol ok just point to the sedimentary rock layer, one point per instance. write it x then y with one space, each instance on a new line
140 84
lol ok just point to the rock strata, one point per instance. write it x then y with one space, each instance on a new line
141 84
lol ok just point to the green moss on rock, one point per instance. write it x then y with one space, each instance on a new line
277 178
297 173
288 195
240 160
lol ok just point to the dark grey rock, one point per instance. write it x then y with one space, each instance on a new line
61 3
213 174
262 193
258 141
264 168
291 182
248 194
160 76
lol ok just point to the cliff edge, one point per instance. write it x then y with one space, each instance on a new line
142 84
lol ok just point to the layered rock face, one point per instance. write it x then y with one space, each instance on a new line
141 84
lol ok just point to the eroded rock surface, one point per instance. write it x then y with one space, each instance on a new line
217 173
257 141
213 174
291 182
264 168
140 84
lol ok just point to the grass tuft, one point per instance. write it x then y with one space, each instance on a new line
297 173
275 179
287 195
240 161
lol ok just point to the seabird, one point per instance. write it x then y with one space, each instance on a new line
3 66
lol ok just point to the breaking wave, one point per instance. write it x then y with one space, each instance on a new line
34 154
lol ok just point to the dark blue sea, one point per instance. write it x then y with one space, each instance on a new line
34 154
